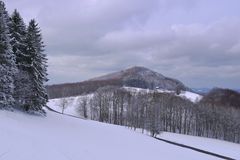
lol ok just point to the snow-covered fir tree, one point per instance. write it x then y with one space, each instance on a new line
38 67
7 61
23 60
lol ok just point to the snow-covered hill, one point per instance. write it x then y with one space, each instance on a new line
26 137
142 77
139 77
72 104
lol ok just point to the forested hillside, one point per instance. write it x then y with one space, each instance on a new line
222 97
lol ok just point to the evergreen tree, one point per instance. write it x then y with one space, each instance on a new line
18 37
7 61
38 69
18 42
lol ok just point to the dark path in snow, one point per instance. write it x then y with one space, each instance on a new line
195 149
50 109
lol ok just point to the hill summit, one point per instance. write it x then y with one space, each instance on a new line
142 77
139 77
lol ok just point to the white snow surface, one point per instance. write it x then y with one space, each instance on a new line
27 137
71 106
194 97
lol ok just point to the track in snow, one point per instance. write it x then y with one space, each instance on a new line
195 149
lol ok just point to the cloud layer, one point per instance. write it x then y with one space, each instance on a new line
195 41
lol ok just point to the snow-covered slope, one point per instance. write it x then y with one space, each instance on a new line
212 145
194 97
72 104
26 137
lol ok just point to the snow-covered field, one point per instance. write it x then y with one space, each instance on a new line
71 106
194 97
26 137
212 145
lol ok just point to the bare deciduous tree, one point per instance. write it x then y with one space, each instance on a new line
63 104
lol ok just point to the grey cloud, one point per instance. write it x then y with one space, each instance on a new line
192 40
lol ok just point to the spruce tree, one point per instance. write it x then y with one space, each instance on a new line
7 61
23 61
38 69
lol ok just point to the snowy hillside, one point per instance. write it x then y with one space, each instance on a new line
194 97
26 137
72 104
142 77
139 77
213 145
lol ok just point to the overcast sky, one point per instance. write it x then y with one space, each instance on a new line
195 41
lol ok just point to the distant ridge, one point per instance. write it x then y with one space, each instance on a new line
204 91
136 76
222 97
142 77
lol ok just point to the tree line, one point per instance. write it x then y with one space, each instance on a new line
155 112
79 88
23 64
